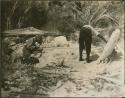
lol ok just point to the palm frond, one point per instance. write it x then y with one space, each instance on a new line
97 14
112 20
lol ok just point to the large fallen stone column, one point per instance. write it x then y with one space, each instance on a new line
110 46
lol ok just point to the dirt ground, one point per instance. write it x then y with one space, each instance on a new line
86 79
61 74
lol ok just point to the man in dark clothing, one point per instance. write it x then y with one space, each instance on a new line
31 45
85 40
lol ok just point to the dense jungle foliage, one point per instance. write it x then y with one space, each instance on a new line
63 16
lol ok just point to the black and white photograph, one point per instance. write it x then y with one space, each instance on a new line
62 48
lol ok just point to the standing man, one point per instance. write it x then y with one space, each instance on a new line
85 40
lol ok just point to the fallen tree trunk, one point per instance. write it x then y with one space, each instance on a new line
111 44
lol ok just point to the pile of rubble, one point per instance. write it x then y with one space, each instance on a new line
60 41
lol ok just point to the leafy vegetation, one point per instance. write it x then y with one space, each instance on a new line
64 16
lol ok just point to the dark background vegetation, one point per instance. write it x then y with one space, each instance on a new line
64 16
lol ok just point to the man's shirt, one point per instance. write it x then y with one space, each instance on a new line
30 42
92 29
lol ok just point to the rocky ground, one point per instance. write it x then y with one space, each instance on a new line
61 74
86 79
